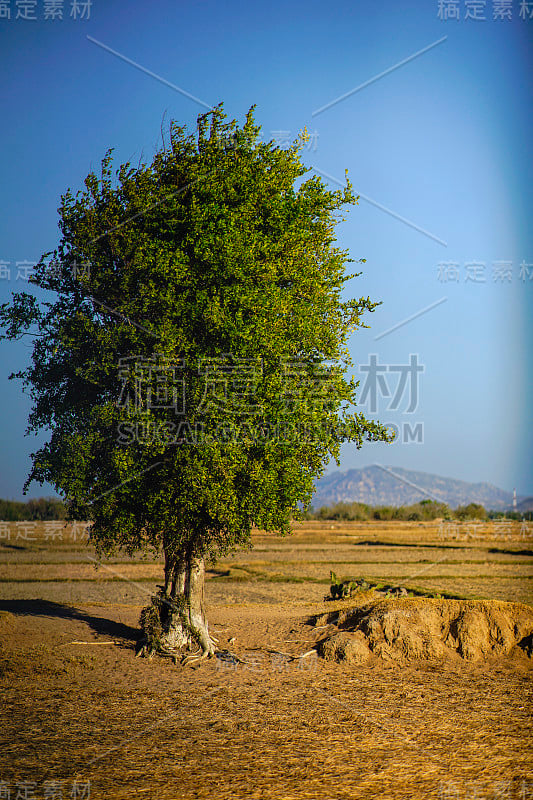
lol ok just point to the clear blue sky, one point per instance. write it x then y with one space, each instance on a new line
440 149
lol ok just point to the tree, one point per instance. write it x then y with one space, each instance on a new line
471 511
190 366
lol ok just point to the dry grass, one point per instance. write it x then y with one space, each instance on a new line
271 727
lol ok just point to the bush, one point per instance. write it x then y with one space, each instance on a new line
426 510
357 512
40 510
471 511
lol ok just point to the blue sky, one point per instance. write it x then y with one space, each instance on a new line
439 148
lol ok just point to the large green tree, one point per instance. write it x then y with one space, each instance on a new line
190 366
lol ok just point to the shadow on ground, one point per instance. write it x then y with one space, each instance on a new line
409 545
439 546
45 608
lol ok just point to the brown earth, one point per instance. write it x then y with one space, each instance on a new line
405 629
439 707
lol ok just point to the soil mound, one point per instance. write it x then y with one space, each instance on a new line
424 628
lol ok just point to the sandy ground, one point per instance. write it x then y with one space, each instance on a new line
90 720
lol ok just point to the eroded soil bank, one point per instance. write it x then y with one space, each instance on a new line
408 629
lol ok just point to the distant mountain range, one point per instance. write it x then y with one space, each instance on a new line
394 486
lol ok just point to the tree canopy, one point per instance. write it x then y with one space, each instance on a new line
190 368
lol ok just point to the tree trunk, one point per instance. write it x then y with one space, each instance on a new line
194 592
176 622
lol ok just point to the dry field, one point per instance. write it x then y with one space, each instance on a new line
83 718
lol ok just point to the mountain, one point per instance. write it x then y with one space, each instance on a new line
394 486
525 505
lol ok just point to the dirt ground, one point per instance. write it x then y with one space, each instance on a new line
81 717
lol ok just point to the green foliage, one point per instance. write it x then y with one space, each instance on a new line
344 511
41 509
518 516
151 623
471 511
158 617
340 590
209 250
425 511
343 590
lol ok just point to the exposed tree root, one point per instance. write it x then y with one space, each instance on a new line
195 658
